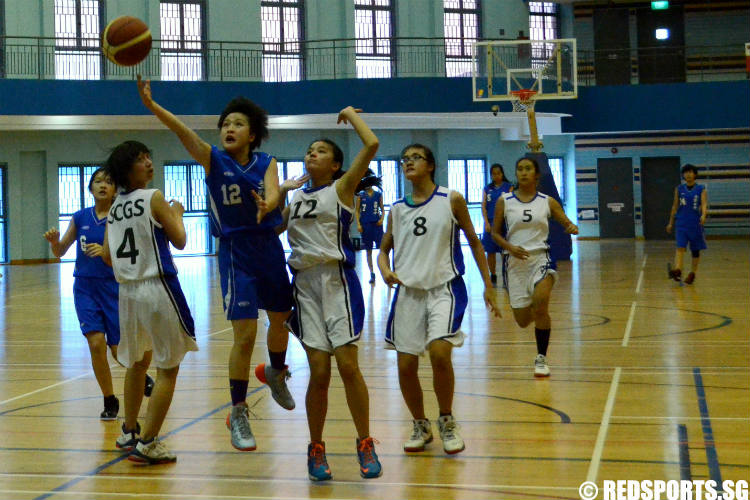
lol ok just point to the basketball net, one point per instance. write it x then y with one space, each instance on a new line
523 102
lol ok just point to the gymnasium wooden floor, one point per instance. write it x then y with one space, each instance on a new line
650 380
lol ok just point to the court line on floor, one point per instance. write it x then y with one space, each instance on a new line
683 449
708 434
601 436
629 325
45 388
640 276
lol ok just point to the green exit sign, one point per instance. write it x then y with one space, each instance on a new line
659 4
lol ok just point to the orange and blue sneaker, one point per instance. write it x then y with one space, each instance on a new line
317 465
369 465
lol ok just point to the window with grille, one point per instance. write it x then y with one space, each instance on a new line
461 29
390 179
78 24
373 29
282 24
182 33
3 226
468 177
556 166
543 25
186 183
73 195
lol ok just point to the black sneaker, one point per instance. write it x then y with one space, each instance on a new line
493 278
674 274
372 277
690 278
110 410
149 387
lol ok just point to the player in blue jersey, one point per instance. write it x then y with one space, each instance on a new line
369 213
155 320
244 194
95 288
688 215
429 303
491 193
329 307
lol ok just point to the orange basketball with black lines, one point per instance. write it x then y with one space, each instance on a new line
126 41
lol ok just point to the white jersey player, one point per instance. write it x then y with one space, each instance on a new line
328 305
429 303
530 273
155 322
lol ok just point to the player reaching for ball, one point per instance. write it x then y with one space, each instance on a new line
244 190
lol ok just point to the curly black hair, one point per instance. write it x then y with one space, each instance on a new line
257 116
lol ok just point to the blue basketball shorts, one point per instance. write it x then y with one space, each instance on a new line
372 234
489 244
693 235
253 275
96 305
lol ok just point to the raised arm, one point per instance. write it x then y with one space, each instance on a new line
60 246
169 215
461 213
673 211
384 261
199 149
559 215
346 186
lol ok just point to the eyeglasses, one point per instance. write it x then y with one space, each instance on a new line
414 157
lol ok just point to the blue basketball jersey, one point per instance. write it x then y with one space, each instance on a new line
230 184
90 229
689 205
491 195
369 206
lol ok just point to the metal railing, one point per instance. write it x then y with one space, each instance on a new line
46 59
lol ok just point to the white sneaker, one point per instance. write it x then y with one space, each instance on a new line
452 442
128 439
541 368
421 434
152 453
238 422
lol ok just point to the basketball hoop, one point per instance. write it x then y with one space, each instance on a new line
523 100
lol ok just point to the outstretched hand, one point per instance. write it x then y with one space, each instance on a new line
53 236
260 202
292 184
346 114
144 90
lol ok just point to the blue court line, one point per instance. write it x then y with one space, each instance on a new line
97 470
708 433
682 443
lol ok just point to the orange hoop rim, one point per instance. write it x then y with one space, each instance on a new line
524 95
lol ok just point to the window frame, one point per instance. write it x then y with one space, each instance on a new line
466 50
540 52
81 48
190 210
182 42
66 217
561 186
284 53
390 57
399 183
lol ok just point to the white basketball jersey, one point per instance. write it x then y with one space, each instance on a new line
318 228
528 223
137 243
426 246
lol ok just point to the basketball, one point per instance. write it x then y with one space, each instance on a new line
126 41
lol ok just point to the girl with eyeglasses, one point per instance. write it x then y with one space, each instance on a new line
430 297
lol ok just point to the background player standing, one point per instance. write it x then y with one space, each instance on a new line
492 192
689 210
369 213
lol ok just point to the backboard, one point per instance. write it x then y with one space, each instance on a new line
547 67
